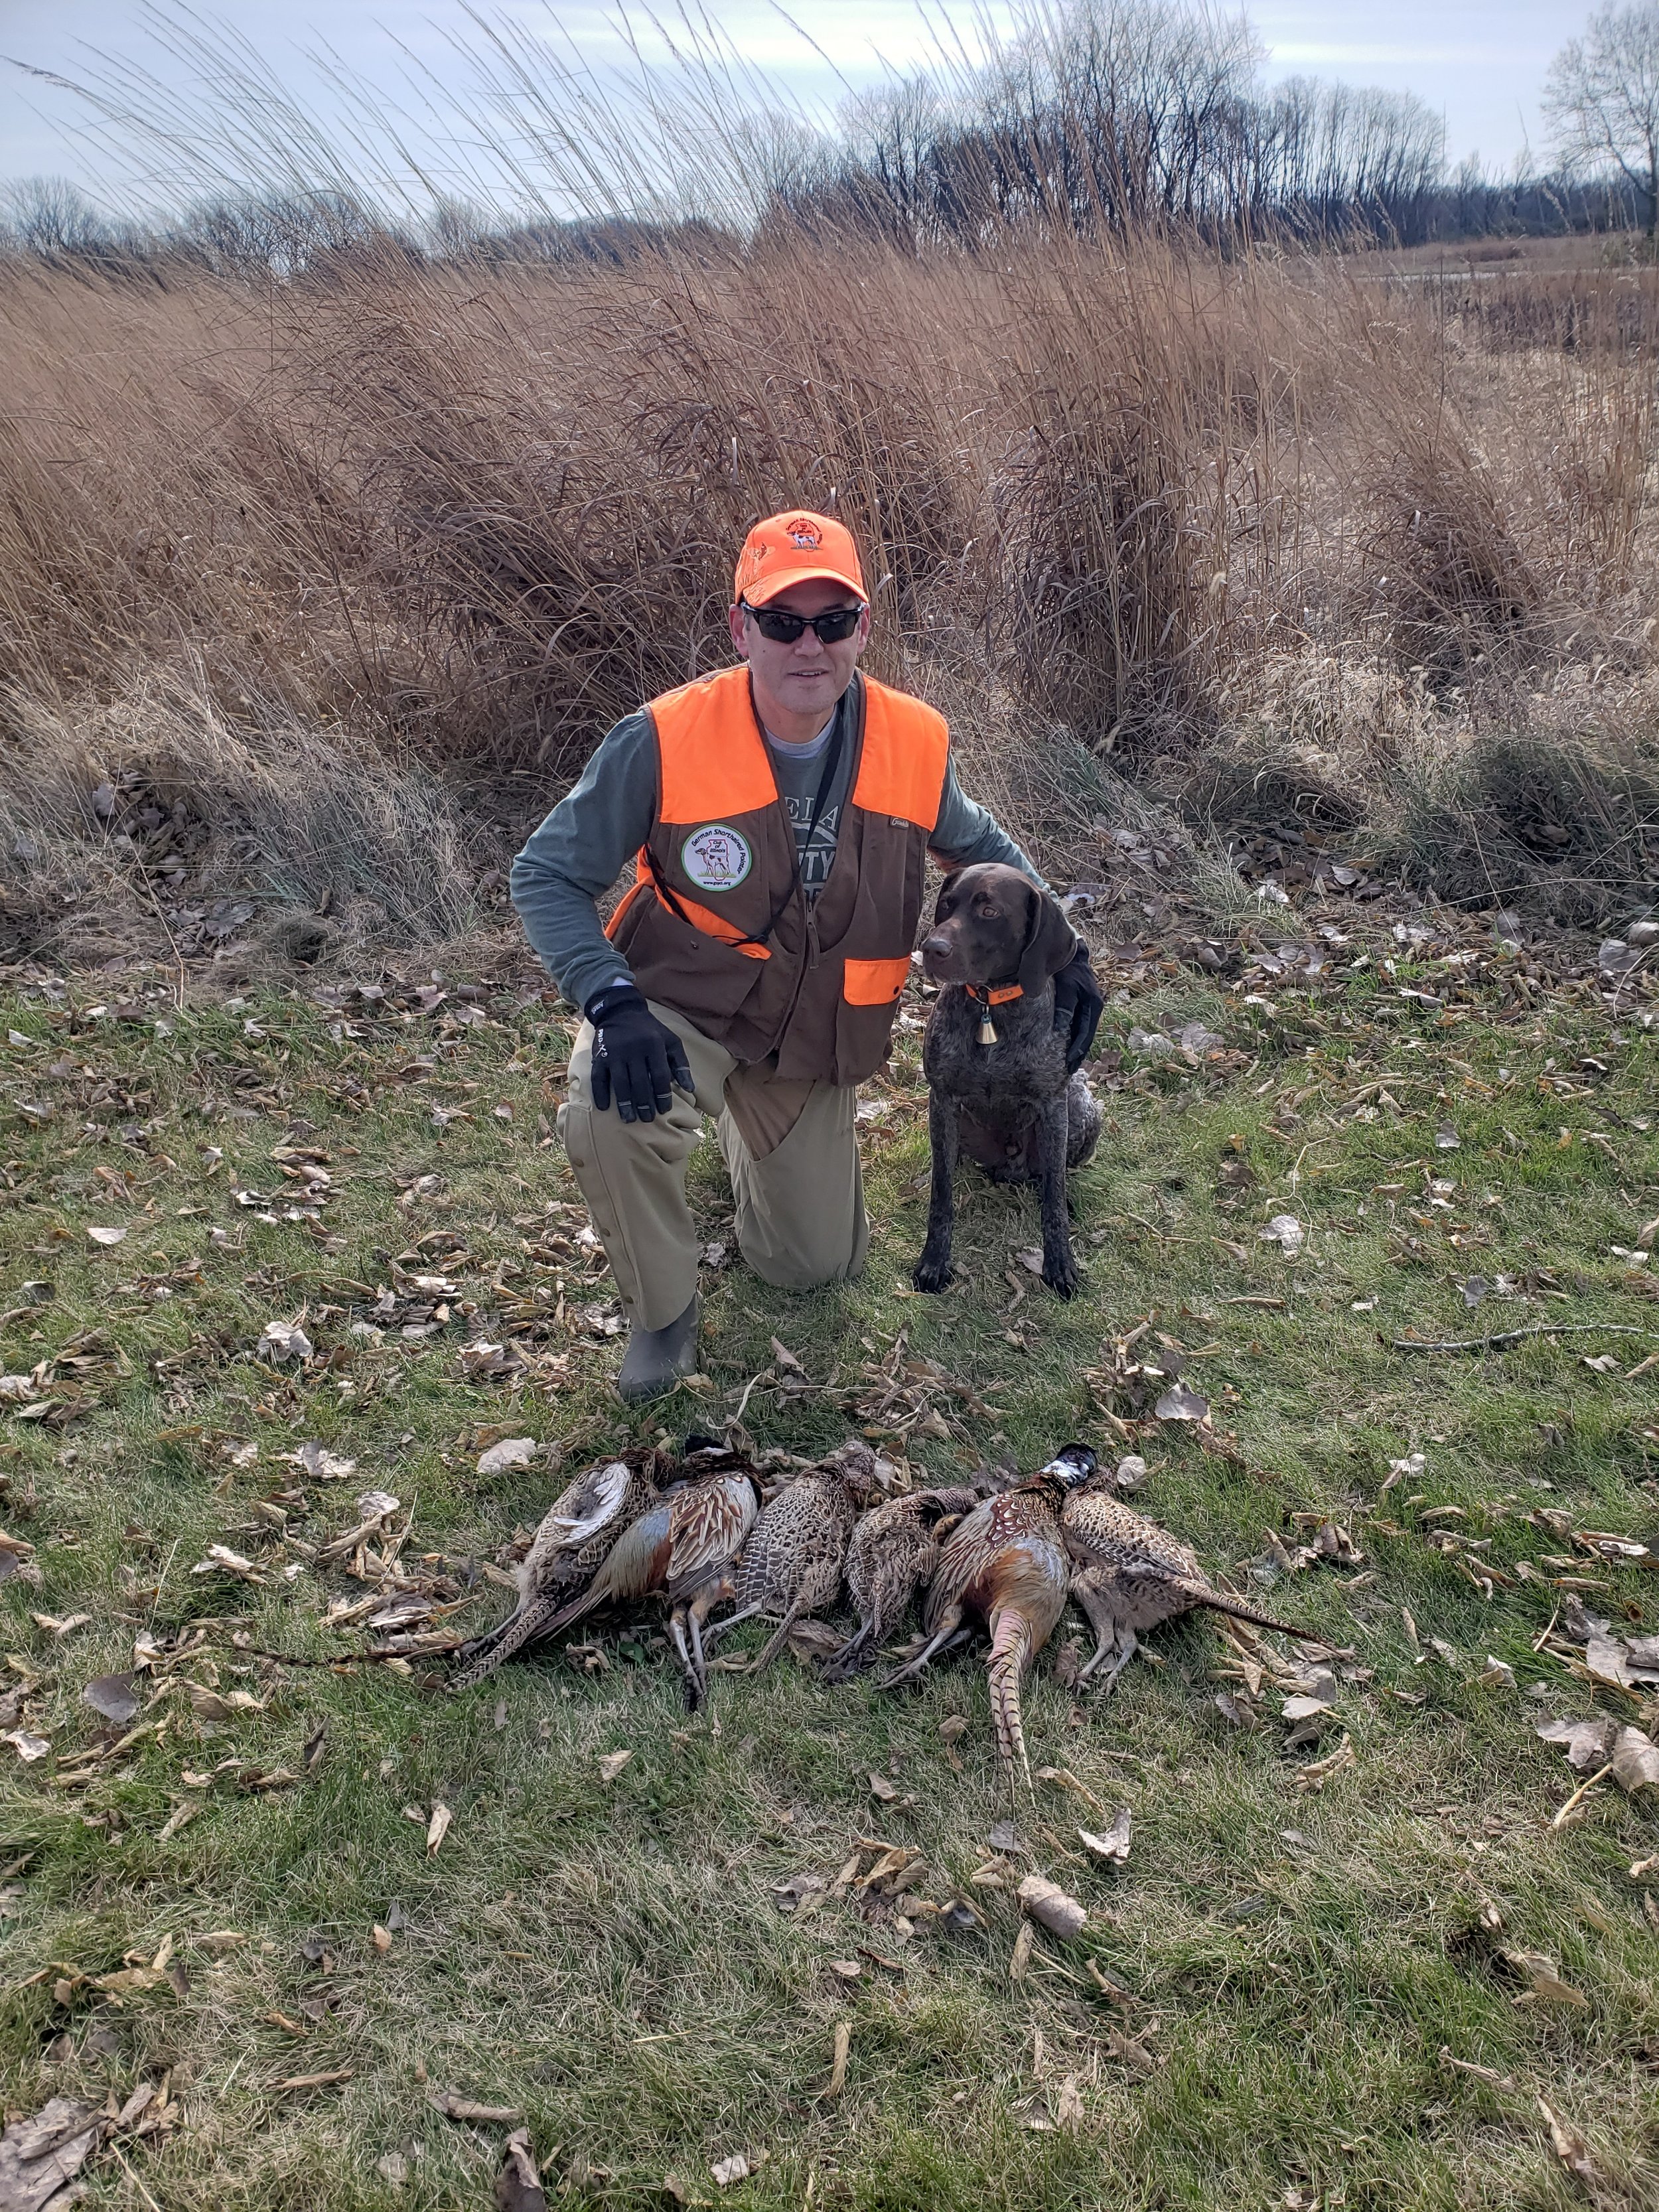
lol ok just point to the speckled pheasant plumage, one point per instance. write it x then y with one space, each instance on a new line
575 1537
893 1550
1007 1563
1128 1575
678 1547
792 1559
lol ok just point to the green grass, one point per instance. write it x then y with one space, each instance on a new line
609 1958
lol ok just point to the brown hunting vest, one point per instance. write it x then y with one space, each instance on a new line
716 924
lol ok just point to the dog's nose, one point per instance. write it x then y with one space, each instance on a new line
938 944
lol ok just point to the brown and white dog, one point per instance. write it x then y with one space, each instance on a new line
995 1065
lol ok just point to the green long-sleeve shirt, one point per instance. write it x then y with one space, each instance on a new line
593 833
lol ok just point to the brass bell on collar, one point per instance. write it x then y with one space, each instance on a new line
987 1028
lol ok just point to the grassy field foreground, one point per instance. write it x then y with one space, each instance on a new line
1346 1954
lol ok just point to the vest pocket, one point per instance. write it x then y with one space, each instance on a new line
875 982
686 967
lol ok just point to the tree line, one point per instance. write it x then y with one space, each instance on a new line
1093 115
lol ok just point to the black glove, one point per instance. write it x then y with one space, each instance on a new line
1078 1001
636 1057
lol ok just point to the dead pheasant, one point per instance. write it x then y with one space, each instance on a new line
1008 1563
792 1559
575 1538
680 1547
893 1553
1128 1575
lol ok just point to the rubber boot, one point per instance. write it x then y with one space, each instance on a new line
657 1358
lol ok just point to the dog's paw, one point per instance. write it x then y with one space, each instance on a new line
932 1274
1061 1276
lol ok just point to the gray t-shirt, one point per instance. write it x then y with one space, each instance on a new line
800 772
593 833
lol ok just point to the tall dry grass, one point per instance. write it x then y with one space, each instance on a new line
1273 531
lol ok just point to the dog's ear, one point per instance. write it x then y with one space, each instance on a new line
945 891
1050 940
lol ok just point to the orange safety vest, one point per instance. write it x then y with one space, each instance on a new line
716 924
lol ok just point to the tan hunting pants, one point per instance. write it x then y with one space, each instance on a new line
793 1165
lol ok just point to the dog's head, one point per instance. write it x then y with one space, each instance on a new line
993 926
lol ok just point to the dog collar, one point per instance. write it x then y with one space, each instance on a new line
985 998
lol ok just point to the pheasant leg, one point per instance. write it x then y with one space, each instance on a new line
688 1665
1102 1619
1127 1648
717 1629
948 1633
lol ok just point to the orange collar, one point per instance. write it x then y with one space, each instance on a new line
986 997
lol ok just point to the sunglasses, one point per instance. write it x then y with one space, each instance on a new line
832 628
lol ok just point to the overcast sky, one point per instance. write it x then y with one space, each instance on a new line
1481 63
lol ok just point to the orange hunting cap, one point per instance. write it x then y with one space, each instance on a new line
794 548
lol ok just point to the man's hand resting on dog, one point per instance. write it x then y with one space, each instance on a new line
636 1058
1078 1001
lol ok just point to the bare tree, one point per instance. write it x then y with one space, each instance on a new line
1601 99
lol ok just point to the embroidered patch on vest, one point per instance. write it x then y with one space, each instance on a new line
716 858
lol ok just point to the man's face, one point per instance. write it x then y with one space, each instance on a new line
808 678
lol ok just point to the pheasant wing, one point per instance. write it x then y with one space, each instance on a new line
590 1505
1100 1532
707 1522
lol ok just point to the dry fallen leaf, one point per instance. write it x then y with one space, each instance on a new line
784 1357
437 1827
180 1817
1575 2154
882 1788
1635 1761
953 1727
1304 1709
511 1452
1114 1844
28 1745
1020 1957
319 1462
97 1236
519 2183
1068 2106
114 1696
1285 1231
1488 2073
1543 1981
738 2167
1318 1771
1605 1658
611 1764
457 2107
283 1339
1178 1403
843 2044
1585 1743
40 2156
1046 1901
382 1937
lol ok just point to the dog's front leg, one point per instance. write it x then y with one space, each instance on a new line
1059 1268
933 1271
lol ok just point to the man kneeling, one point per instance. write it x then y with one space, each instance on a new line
778 815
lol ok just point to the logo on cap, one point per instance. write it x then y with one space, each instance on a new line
805 534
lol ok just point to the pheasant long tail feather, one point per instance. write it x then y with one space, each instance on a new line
1218 1601
537 1617
1010 1648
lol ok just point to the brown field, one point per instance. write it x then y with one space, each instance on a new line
335 581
